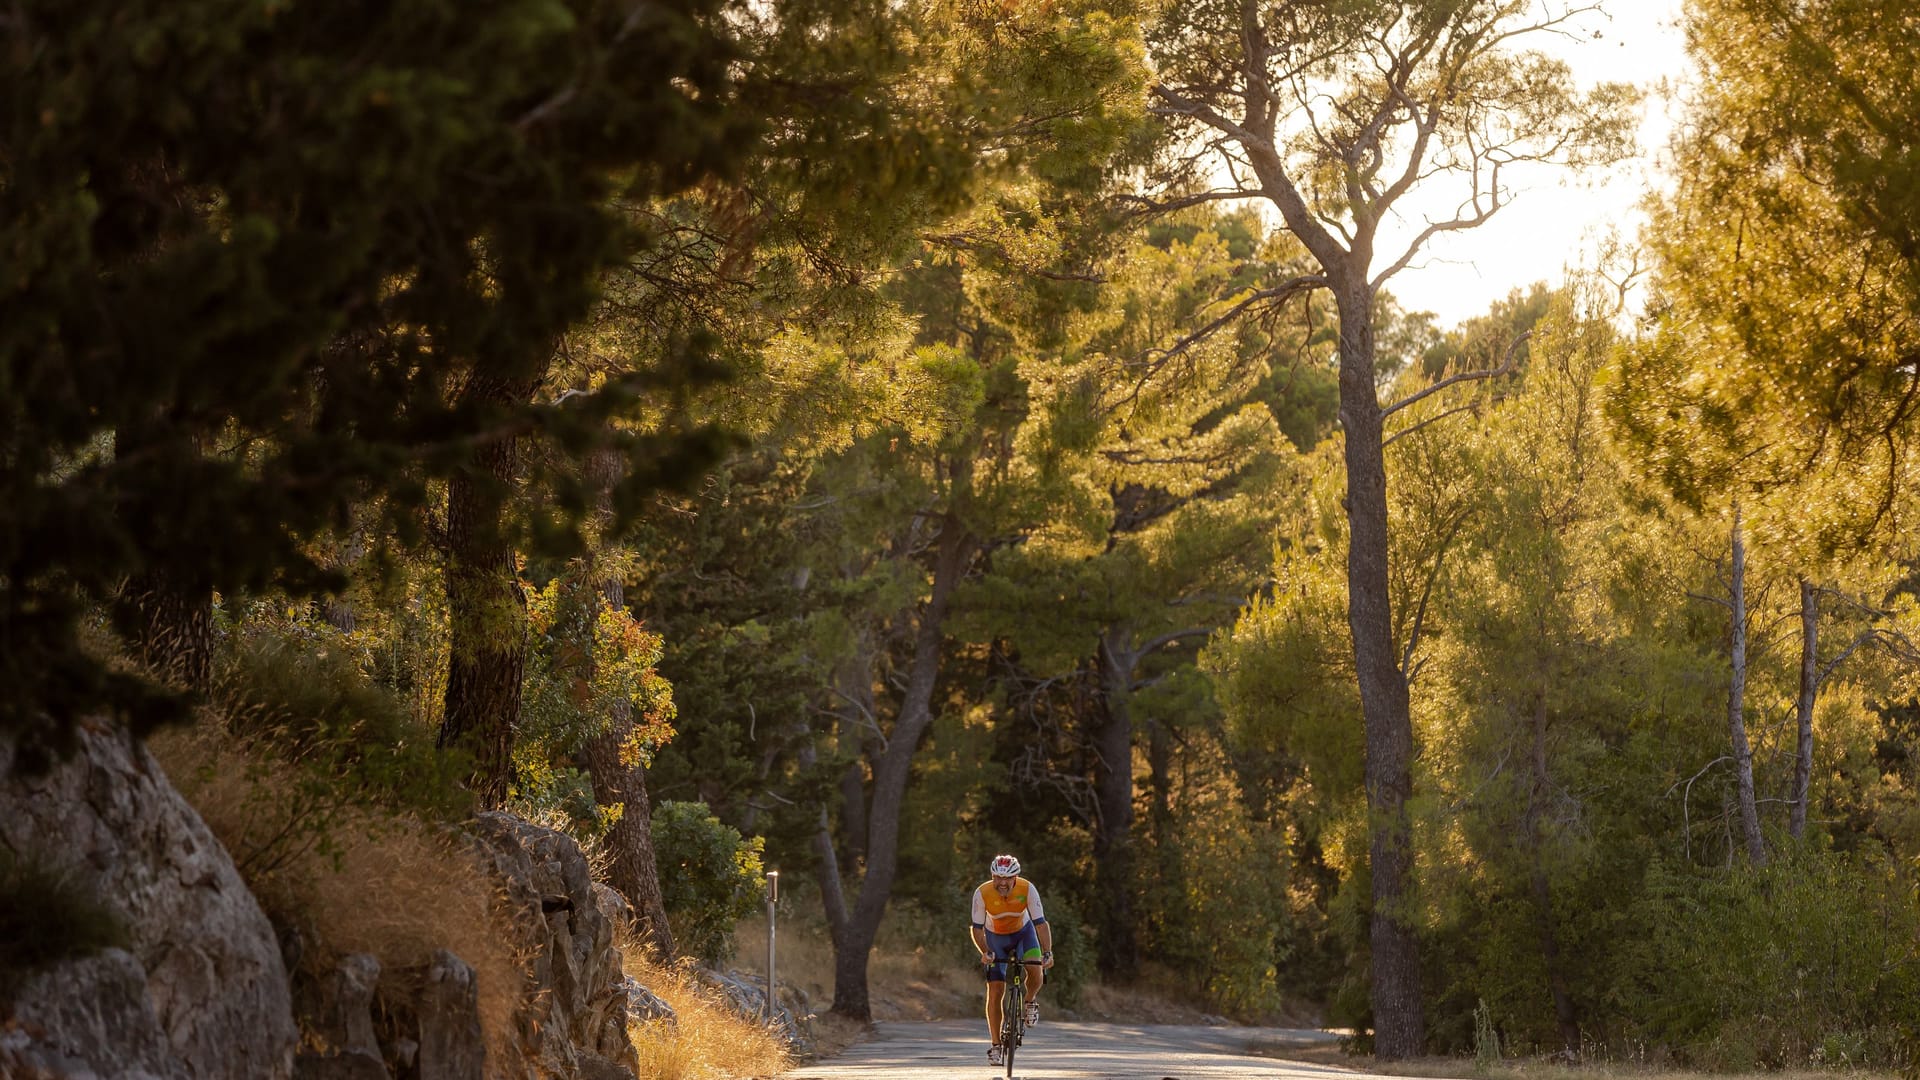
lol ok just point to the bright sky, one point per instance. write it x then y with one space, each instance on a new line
1556 219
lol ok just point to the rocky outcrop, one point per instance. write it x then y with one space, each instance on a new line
578 1000
362 1023
62 1020
746 994
336 1017
202 990
200 993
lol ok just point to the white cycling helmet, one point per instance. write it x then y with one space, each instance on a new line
1004 866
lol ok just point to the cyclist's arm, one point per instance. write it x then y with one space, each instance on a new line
1045 930
979 927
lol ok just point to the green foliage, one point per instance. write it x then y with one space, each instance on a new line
1787 280
1073 968
250 248
300 688
46 919
1218 899
1817 949
710 877
587 663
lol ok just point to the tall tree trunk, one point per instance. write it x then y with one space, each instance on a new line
620 779
1119 947
1803 708
1542 885
1160 779
850 998
614 768
1398 1013
826 864
1736 702
855 710
486 609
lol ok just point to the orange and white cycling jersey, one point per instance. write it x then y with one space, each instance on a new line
1007 914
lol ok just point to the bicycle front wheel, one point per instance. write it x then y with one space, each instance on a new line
1013 1023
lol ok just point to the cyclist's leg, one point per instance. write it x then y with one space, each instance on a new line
996 975
1029 946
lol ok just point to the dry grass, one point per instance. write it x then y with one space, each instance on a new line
708 1040
392 887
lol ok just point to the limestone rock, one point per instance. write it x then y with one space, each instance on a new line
451 1044
89 1018
746 994
336 1013
575 1014
209 960
644 1005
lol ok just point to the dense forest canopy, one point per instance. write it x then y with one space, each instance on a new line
867 436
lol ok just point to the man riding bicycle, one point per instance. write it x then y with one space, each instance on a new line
1009 922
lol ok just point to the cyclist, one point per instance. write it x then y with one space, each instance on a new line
1008 921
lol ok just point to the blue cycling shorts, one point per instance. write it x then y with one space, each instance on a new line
1024 943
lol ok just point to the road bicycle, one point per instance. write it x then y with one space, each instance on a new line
1013 1008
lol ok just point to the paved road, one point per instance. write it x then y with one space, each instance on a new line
957 1050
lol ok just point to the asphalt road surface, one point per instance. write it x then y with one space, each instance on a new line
957 1050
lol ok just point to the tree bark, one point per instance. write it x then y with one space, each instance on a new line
1803 708
1119 947
1160 780
855 709
1398 1012
620 779
486 609
850 997
826 864
1736 702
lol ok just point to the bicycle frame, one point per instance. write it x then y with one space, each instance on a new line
1013 1009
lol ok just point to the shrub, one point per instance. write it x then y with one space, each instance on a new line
1814 944
710 877
1072 952
585 662
303 692
1219 905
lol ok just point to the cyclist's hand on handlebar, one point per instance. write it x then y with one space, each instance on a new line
1047 961
986 959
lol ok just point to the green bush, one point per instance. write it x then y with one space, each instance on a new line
1216 906
45 918
1816 951
323 745
710 877
1072 952
304 692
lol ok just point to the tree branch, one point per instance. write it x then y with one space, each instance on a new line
1513 357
